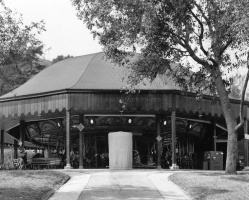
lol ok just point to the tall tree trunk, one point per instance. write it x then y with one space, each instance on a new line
232 147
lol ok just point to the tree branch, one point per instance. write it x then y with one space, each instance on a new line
191 51
243 97
225 47
204 16
181 51
202 32
179 39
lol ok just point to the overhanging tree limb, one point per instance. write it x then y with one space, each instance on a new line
243 96
204 16
202 32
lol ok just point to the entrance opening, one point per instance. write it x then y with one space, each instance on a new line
192 139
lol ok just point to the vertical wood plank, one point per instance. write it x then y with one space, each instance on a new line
159 143
173 128
2 146
68 165
81 142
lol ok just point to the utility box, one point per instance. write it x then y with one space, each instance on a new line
214 160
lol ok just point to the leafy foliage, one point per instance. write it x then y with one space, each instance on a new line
60 58
205 37
173 30
19 51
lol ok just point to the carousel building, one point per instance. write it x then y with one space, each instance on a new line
77 107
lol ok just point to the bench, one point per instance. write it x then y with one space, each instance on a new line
45 163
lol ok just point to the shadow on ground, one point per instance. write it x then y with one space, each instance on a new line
204 192
124 192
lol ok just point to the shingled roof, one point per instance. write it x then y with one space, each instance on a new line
88 72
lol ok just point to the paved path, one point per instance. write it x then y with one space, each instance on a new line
119 184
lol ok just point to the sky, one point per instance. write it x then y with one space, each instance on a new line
65 34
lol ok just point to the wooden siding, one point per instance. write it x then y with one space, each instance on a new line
35 105
105 102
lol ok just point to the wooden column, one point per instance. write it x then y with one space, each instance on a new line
96 150
246 159
68 165
15 149
173 128
159 146
22 133
81 141
49 148
215 136
2 146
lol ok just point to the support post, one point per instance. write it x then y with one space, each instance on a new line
49 148
173 128
68 165
215 135
96 151
246 147
159 146
2 147
81 141
15 149
22 133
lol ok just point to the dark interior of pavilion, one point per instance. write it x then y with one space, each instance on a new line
192 136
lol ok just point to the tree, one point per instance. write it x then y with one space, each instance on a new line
19 50
200 35
238 80
60 58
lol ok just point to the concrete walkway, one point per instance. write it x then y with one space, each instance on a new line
119 184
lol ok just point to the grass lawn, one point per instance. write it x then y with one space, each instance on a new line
213 185
29 185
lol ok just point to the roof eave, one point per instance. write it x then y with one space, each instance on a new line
68 91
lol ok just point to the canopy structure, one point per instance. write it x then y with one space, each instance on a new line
87 90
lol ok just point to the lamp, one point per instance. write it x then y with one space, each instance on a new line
91 121
164 122
190 125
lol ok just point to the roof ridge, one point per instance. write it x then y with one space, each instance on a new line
85 69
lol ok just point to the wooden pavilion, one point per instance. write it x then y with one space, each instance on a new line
74 104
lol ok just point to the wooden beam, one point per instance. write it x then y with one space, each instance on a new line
215 136
195 120
119 115
246 154
15 148
22 133
96 150
220 141
159 146
2 147
81 141
68 165
221 127
173 127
